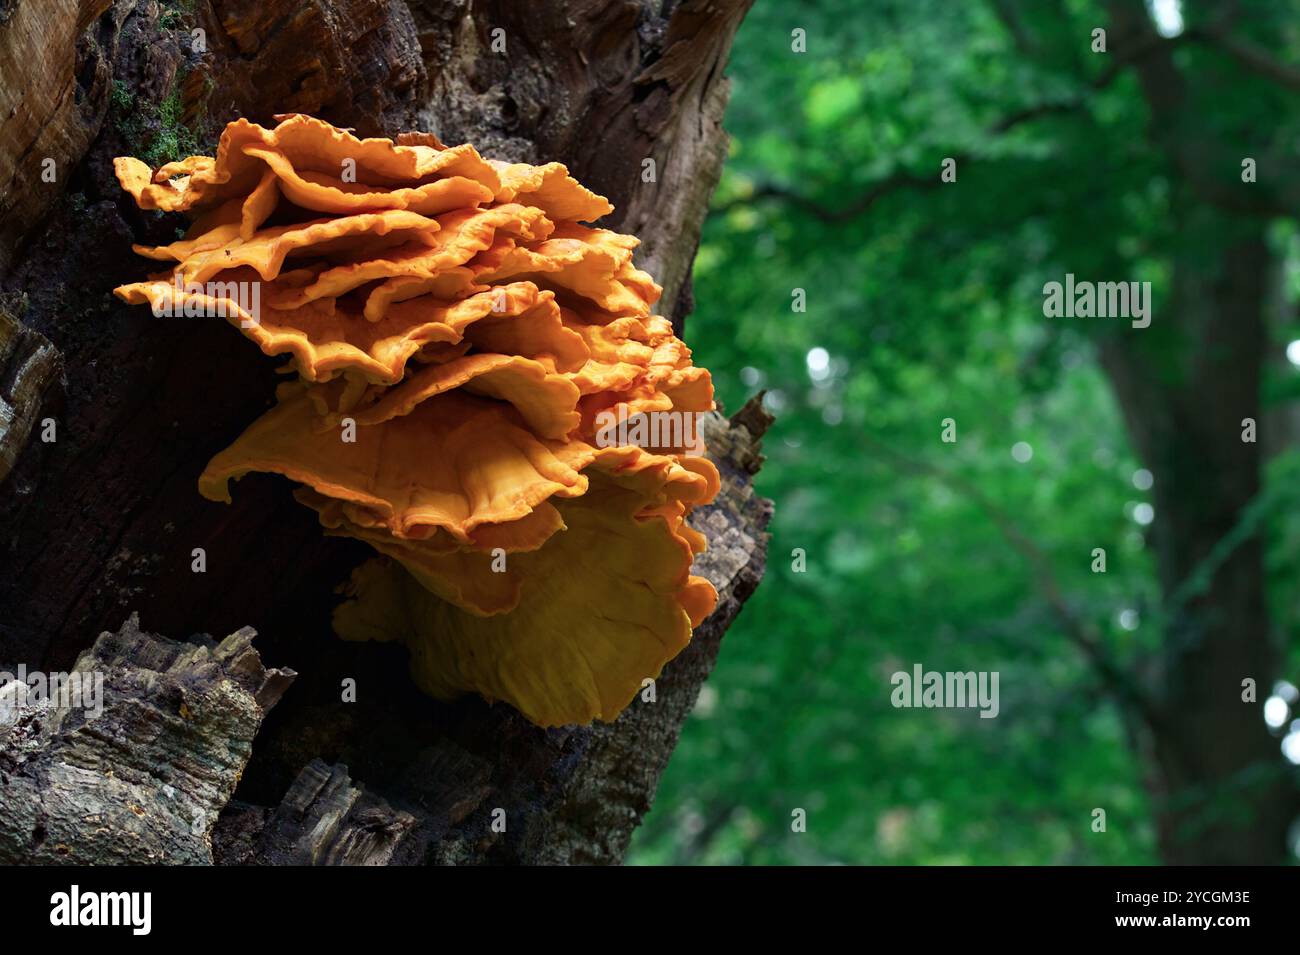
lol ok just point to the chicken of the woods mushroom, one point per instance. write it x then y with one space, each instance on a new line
460 342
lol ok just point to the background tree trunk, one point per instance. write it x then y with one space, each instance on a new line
1188 385
1231 803
102 521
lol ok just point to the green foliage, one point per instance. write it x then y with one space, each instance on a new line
175 13
159 127
928 305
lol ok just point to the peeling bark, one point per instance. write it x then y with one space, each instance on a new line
144 780
31 382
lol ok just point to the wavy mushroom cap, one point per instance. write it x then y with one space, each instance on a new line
462 343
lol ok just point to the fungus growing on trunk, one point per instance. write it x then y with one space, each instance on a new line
457 334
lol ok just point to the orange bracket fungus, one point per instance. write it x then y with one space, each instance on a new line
462 344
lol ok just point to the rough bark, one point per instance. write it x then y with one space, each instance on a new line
48 89
103 521
144 780
31 383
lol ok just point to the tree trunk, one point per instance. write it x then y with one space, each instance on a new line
101 521
1188 385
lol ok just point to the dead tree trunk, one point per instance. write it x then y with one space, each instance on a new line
101 521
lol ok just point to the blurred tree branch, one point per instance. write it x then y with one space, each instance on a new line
1139 46
1081 632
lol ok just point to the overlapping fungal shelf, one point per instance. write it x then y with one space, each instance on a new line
456 333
